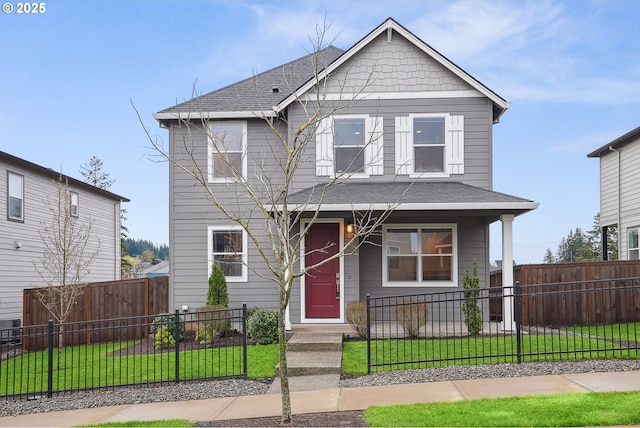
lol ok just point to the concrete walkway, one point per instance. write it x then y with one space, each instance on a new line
336 399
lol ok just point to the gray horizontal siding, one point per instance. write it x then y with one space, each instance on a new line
17 270
478 150
472 238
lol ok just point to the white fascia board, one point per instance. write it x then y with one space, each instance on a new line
391 24
397 95
438 206
215 115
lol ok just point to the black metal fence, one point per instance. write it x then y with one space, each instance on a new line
578 320
207 344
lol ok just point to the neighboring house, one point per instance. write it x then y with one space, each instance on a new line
497 265
431 124
620 192
27 189
159 269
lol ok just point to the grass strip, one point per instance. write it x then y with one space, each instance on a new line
569 410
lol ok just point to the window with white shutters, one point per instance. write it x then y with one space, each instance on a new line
429 145
349 146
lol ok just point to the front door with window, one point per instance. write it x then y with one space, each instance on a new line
322 285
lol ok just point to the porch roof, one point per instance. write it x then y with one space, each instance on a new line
407 196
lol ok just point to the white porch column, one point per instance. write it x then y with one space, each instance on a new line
508 320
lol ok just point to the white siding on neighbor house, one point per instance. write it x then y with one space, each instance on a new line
17 270
620 191
609 189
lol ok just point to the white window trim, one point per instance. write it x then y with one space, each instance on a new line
629 249
21 177
454 150
373 147
245 252
77 204
454 256
303 311
210 151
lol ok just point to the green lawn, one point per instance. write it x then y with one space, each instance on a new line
93 366
621 332
407 354
576 409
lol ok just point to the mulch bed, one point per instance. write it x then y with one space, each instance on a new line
147 345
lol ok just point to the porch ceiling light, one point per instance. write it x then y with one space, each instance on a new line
351 228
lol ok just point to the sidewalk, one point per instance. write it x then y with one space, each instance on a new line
330 400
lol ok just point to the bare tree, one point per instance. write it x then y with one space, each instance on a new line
264 203
67 256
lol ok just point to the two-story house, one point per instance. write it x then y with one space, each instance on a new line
620 192
413 131
29 190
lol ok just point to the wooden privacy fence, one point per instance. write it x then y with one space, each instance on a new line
100 301
558 302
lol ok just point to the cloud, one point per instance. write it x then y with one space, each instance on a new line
541 51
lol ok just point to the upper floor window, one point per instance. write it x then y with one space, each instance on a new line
15 196
419 255
349 146
74 200
429 145
228 248
633 244
348 142
227 149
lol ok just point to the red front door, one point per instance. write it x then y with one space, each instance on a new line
322 285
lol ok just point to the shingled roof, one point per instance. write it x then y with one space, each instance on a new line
260 92
405 195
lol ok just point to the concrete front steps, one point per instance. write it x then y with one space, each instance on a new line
314 362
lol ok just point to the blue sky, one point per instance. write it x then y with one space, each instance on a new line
570 69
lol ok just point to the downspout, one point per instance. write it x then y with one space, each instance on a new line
619 208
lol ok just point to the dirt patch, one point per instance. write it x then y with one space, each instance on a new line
331 419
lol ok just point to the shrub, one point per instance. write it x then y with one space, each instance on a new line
213 322
168 321
163 337
217 294
357 316
412 317
470 307
262 326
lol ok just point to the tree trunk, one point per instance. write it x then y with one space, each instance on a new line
284 375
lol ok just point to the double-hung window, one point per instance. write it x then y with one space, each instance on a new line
633 244
349 146
15 196
429 145
228 248
74 200
227 151
419 255
348 143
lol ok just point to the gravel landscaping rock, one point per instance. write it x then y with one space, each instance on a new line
230 388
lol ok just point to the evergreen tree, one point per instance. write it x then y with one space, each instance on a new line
578 246
548 257
217 294
93 174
